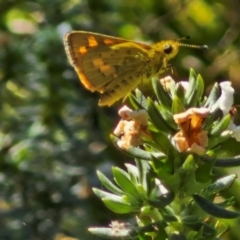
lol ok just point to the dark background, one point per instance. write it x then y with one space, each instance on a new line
53 135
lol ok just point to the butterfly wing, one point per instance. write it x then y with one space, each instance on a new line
120 86
102 61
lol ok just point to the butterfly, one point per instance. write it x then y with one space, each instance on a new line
115 66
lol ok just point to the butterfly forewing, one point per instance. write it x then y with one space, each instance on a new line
110 67
102 62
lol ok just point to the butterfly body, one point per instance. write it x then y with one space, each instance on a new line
115 66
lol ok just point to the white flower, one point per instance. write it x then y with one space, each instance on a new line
235 131
184 84
225 101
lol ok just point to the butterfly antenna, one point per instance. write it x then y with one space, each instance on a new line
183 38
190 45
193 46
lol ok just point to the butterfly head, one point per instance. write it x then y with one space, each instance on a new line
170 48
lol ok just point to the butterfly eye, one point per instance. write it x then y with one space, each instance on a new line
167 49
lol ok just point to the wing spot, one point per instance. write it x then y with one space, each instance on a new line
92 42
83 50
109 41
98 62
107 70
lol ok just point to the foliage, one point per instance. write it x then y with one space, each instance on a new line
53 135
173 195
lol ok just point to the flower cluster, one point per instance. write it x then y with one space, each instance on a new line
176 138
191 136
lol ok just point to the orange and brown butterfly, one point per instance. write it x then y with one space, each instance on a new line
115 66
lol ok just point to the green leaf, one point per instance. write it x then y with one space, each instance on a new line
202 229
228 162
141 99
133 101
156 117
214 141
220 184
177 106
162 142
108 184
208 122
143 168
221 126
136 152
162 201
123 180
133 173
103 194
161 93
179 91
138 101
212 98
168 117
117 205
165 165
189 164
188 176
206 233
197 92
171 181
204 171
169 215
191 219
213 209
192 84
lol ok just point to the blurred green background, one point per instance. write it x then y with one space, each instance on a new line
53 135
